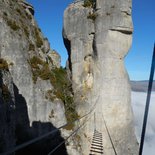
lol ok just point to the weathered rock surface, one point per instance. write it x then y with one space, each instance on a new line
97 40
55 57
26 107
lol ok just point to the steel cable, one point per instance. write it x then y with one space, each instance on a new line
47 134
75 131
147 103
109 136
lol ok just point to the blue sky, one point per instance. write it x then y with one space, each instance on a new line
49 16
138 60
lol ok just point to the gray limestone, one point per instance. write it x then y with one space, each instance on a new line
55 58
96 60
21 40
15 49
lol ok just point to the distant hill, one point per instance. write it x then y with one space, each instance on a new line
141 86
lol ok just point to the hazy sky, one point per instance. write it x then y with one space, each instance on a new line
49 15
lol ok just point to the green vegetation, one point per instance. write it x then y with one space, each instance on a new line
45 72
36 64
25 28
3 64
13 25
19 11
50 95
35 61
63 91
11 64
89 3
31 47
29 16
39 41
70 126
59 80
50 59
92 16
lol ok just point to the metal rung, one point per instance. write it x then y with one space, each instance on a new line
97 145
96 151
97 138
97 135
97 148
94 140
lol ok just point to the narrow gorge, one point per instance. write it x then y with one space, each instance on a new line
38 95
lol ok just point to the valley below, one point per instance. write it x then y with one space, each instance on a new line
138 98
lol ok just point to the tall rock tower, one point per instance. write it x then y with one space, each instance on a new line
98 35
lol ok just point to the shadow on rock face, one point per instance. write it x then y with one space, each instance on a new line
20 131
44 146
25 132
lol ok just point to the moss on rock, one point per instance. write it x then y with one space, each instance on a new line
59 80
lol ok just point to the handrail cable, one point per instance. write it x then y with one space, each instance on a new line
109 135
147 103
94 121
75 131
45 135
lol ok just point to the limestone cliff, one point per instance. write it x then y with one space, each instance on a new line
98 35
30 80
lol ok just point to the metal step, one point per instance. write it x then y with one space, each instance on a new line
97 145
96 148
96 151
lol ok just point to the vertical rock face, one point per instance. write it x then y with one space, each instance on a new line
22 43
28 105
98 37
